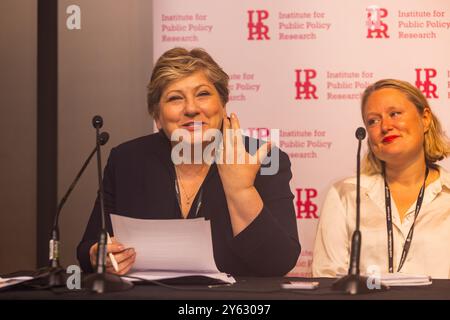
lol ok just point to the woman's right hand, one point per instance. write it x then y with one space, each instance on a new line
125 257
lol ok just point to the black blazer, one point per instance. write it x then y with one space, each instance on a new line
139 182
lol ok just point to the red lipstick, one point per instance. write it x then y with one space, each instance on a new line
389 139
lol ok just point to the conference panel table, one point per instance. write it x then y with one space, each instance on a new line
246 288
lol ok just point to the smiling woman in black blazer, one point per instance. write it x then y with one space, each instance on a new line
252 216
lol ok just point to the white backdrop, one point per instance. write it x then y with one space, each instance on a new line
300 66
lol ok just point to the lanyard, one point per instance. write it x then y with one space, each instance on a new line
390 234
199 199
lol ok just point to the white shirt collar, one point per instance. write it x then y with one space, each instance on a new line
373 186
370 182
444 177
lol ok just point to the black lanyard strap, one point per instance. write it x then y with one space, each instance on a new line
390 232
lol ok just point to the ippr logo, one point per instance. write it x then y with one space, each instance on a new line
374 23
256 27
305 88
258 133
427 87
306 208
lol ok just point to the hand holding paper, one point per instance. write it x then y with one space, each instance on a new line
169 248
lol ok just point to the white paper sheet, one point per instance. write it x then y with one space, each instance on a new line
168 248
162 275
399 279
402 279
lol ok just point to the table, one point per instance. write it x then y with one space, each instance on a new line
246 288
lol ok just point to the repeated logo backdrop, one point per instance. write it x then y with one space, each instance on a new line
301 66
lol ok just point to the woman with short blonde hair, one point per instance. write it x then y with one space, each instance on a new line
252 216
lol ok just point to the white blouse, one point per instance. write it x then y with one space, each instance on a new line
429 253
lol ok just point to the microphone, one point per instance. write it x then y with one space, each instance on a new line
54 271
360 134
101 281
104 137
97 122
355 252
353 283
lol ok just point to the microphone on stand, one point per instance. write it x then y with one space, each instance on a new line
54 275
101 281
353 282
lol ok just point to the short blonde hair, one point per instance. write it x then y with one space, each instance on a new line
178 63
436 143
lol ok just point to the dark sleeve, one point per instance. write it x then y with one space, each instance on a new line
93 228
270 245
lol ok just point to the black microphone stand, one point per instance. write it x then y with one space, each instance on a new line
101 281
54 275
353 282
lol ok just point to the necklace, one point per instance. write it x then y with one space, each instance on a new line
188 197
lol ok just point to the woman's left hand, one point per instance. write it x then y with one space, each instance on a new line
237 167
